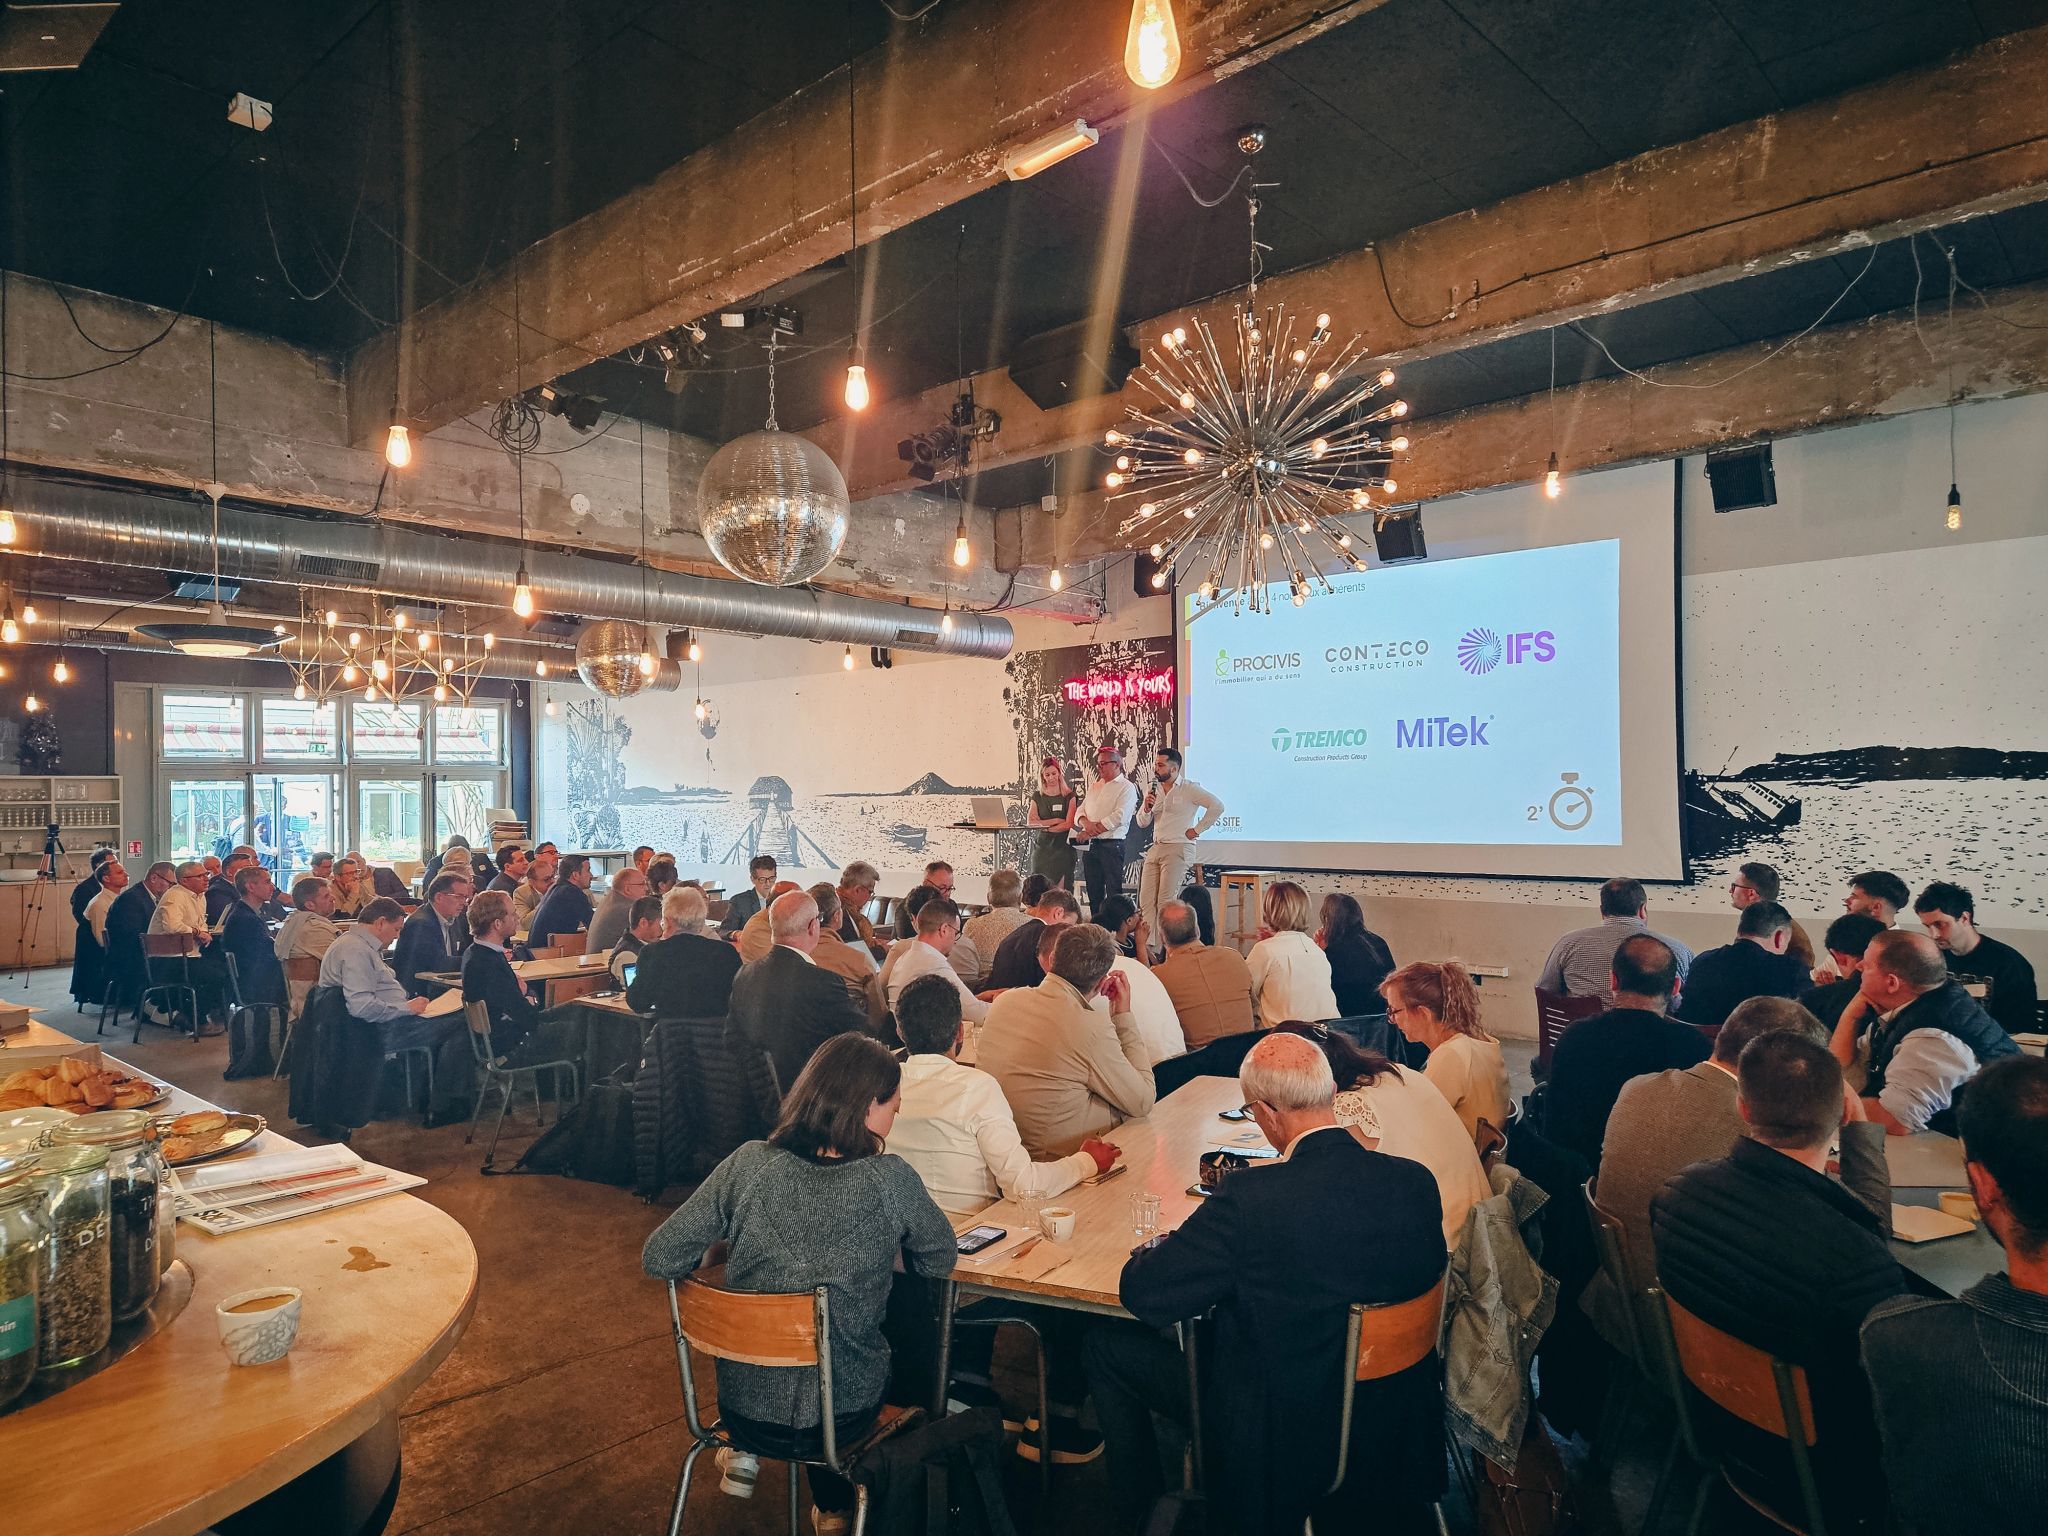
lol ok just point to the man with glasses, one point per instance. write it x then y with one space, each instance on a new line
785 1003
1759 882
181 909
938 930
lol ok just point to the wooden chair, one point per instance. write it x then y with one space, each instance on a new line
169 946
786 1331
1642 1364
506 1078
1382 1341
1756 1387
572 943
1555 1013
546 952
304 968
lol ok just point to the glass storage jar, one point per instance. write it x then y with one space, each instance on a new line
24 1253
75 1315
134 1175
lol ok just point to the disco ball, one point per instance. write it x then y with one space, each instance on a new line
772 506
608 656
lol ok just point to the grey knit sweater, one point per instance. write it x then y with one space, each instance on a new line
792 1226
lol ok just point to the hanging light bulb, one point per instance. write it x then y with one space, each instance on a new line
426 639
370 694
690 646
522 593
440 693
1955 509
28 612
299 691
8 532
447 663
398 619
550 707
378 669
540 669
280 629
355 638
331 617
10 631
700 711
349 673
646 663
1055 580
1152 47
397 447
856 387
62 671
846 661
1553 482
490 640
962 553
31 703
946 620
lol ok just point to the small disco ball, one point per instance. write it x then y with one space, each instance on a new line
773 508
608 656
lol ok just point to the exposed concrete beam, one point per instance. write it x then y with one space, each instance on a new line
1918 150
1871 369
282 441
939 108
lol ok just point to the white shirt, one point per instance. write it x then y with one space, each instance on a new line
1413 1120
96 912
1152 1010
1291 981
1111 802
956 1129
179 911
1926 1069
1173 812
912 958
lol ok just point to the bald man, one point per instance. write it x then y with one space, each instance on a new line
785 1003
1919 1034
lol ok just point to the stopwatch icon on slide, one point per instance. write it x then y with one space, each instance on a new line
1571 807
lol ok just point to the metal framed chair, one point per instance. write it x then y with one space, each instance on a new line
239 1008
506 1078
1642 1370
1754 1386
1382 1341
304 968
182 947
791 1331
1555 1013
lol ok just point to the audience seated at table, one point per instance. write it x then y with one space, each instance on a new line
220 888
1434 1003
761 877
1004 916
181 909
1847 938
1290 975
754 938
938 881
1210 988
1918 1034
850 962
688 975
930 954
1762 1244
435 936
784 1003
488 977
88 959
1757 964
661 877
1277 1257
1118 916
128 919
307 932
643 927
857 884
1395 1110
1580 963
1359 958
1879 893
965 960
1996 974
372 992
1961 1386
1151 1009
820 1202
1016 959
109 884
566 908
1068 1072
1755 882
245 934
1667 1121
351 890
615 912
540 879
512 865
1594 1057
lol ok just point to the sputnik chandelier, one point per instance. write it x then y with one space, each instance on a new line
1241 466
391 661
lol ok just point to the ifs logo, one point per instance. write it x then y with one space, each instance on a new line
1480 650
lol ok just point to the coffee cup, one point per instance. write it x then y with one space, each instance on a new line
259 1326
1057 1222
1957 1203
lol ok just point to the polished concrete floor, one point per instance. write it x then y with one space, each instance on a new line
560 1410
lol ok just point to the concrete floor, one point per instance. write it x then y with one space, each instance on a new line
560 1409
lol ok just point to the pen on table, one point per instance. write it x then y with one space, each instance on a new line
1104 1178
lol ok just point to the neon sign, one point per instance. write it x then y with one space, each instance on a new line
1103 691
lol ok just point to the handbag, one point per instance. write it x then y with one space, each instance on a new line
1534 1499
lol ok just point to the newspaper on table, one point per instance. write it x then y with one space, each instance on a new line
277 1186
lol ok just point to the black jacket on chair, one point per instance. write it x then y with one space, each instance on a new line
337 1064
1280 1254
684 976
127 921
788 1007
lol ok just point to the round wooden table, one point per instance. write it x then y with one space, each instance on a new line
172 1437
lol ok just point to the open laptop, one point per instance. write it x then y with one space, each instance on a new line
990 811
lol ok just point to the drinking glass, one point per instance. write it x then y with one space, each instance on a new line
1145 1213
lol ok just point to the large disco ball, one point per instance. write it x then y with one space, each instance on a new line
772 506
608 655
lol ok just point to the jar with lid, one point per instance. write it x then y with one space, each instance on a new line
75 1314
24 1253
134 1174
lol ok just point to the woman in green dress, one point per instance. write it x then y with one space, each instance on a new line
1052 813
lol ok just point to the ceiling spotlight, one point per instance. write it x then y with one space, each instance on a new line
1043 154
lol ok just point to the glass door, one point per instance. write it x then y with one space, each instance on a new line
461 806
297 816
389 825
207 816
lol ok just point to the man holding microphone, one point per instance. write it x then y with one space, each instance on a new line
1170 810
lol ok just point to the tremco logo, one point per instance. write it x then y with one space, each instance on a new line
1289 739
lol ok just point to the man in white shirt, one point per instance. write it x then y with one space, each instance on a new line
182 908
308 933
1178 811
928 954
1104 818
113 881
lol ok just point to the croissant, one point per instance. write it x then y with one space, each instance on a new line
98 1091
31 1078
58 1092
21 1098
75 1069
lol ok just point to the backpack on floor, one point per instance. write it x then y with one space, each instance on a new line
943 1477
593 1140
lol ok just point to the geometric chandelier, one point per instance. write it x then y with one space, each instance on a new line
1240 466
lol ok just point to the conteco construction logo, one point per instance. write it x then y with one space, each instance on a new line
1480 649
1319 744
1367 654
1259 667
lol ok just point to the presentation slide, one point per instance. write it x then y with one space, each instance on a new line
1462 714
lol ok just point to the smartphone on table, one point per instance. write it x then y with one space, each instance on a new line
974 1239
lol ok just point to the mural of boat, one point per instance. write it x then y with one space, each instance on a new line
907 837
1723 814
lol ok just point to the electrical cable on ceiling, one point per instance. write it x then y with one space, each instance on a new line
917 15
1201 201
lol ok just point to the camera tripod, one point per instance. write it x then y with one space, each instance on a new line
29 933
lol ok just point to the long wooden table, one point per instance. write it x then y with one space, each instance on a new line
546 972
172 1437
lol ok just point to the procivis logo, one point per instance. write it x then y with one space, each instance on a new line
1268 666
1480 649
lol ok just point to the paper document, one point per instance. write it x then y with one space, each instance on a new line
1925 1160
1923 1224
277 1186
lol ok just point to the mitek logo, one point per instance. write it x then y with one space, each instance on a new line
1480 649
1441 731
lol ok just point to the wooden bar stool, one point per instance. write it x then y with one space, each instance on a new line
1244 900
